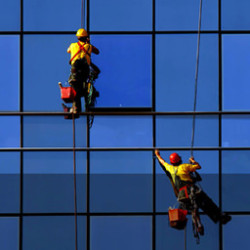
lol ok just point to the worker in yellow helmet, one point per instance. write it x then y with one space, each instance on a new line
80 61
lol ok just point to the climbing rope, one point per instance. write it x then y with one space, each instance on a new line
75 186
83 14
196 77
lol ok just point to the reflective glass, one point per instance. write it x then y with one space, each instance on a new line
125 64
169 238
52 15
45 64
49 183
10 135
121 131
236 54
53 232
236 234
184 15
209 173
52 131
121 232
121 181
9 182
235 131
176 131
112 15
235 14
9 228
10 15
235 179
9 71
175 72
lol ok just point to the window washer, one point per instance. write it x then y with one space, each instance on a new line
80 61
190 196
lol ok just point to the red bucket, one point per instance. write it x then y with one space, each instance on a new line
177 218
68 94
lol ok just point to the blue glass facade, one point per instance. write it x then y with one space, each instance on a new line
147 61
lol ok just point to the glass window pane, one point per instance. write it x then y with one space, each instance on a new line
236 54
49 183
112 15
9 71
209 173
53 232
236 233
10 15
10 182
183 15
176 131
235 14
175 72
10 127
52 15
53 131
121 131
169 238
121 233
42 74
110 174
9 228
125 64
235 179
235 131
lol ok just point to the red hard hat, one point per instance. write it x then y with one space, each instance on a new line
174 158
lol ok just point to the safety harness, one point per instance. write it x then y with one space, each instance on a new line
81 48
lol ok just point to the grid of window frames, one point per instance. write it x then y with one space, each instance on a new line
146 85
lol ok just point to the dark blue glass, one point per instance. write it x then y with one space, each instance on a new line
10 182
176 131
236 54
52 131
235 14
235 180
121 232
112 15
235 131
10 135
175 73
10 15
236 234
125 64
184 15
9 71
53 232
121 131
52 15
9 228
121 181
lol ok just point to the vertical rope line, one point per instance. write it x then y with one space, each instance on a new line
75 194
83 14
196 77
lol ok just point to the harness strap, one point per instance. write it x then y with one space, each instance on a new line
185 190
81 48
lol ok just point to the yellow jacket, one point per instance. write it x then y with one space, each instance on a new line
182 171
78 51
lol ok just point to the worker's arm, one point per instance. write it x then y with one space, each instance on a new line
160 159
68 50
95 50
195 164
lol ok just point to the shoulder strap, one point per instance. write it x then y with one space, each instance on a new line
81 48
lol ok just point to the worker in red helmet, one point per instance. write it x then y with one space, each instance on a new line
80 61
188 193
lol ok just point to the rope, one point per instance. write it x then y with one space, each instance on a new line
83 14
196 77
75 194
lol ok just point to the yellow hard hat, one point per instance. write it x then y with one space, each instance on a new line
81 33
